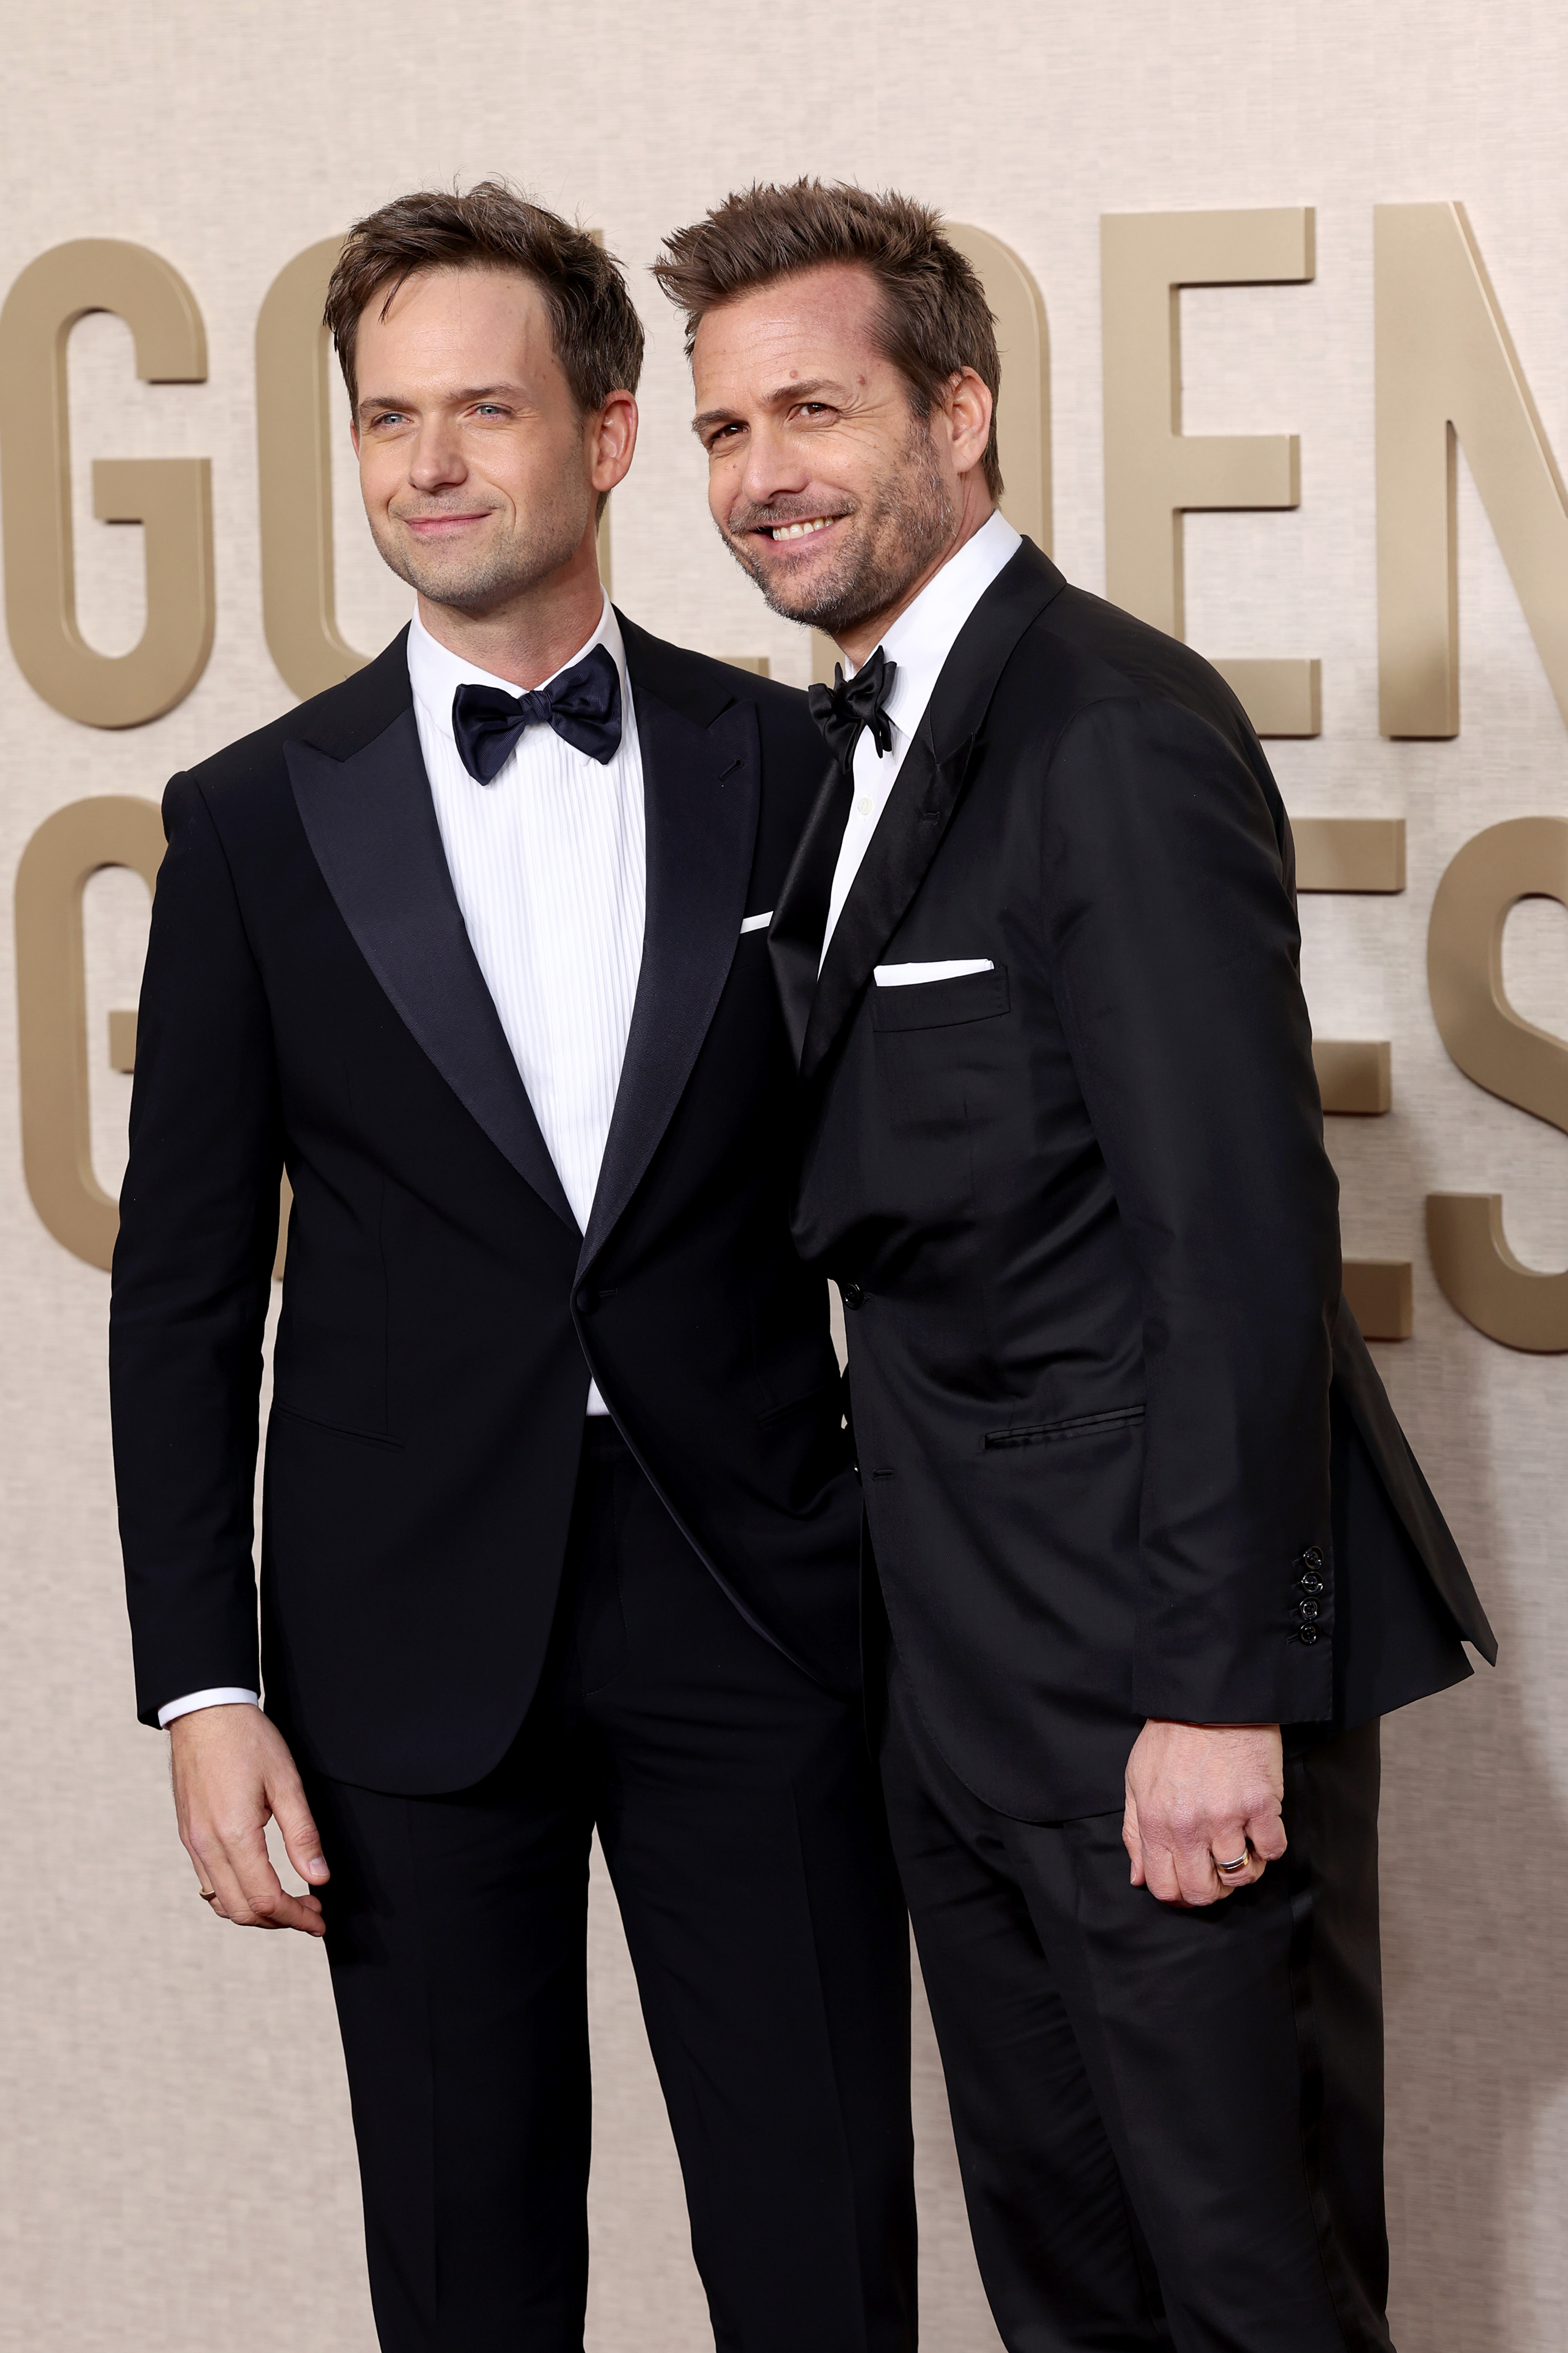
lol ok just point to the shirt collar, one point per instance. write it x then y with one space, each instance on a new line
922 637
434 673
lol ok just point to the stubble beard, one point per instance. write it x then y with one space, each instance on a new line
487 578
902 531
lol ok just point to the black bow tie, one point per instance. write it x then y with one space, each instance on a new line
841 712
583 705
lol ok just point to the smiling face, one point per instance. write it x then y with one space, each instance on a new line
480 473
826 486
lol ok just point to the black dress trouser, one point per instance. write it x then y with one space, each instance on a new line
740 1816
1169 2122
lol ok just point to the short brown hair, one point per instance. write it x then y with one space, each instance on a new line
935 318
597 333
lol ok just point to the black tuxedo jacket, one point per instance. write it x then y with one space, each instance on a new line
1083 1220
312 1000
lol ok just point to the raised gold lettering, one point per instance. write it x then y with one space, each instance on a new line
1447 376
295 379
169 497
1155 473
51 1007
1525 858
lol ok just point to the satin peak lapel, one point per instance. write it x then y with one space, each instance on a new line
795 935
702 797
370 823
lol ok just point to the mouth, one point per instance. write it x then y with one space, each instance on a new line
797 532
440 526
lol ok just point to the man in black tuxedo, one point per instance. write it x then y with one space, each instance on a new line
1154 1552
560 1526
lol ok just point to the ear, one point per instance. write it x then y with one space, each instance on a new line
968 407
612 436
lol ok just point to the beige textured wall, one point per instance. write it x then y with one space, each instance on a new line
177 2163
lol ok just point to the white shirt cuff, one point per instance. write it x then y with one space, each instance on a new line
221 1695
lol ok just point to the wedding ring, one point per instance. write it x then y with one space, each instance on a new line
1241 1863
207 1894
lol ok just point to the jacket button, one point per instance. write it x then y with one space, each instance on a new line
852 1296
1311 1584
1308 1634
1308 1609
1311 1558
587 1300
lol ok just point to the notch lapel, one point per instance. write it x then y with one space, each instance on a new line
701 797
371 822
937 768
919 809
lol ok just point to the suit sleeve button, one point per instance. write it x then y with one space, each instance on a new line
852 1296
1312 1559
1309 1611
1311 1583
1308 1634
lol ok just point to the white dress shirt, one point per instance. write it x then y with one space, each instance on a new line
919 642
549 867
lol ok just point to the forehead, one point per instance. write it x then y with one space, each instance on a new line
439 320
819 323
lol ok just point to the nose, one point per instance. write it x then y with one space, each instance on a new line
437 461
772 469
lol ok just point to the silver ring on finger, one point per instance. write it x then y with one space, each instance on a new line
1241 1863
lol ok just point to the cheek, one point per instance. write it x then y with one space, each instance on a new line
381 471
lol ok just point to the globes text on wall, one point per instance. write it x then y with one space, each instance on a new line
1446 375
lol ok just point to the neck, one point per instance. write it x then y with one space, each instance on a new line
861 638
527 639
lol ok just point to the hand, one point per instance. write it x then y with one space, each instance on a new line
231 1769
1199 1794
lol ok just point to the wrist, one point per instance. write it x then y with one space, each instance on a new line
197 1703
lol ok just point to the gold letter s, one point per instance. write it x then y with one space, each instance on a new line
1526 858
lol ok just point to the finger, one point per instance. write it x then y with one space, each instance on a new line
302 1839
1132 1839
1229 1844
1266 1833
1160 1874
1199 1881
251 1892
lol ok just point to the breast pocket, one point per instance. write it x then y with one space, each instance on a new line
939 1004
937 1054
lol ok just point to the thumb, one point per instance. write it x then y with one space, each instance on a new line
302 1839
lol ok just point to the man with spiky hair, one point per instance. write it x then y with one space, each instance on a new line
1153 1554
559 1531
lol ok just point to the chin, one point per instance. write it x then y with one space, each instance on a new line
794 599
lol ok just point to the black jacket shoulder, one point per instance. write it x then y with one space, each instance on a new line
1082 651
1078 651
701 687
340 721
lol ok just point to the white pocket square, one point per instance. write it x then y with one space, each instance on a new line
756 923
909 975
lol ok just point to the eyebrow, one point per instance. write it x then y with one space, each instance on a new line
772 400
